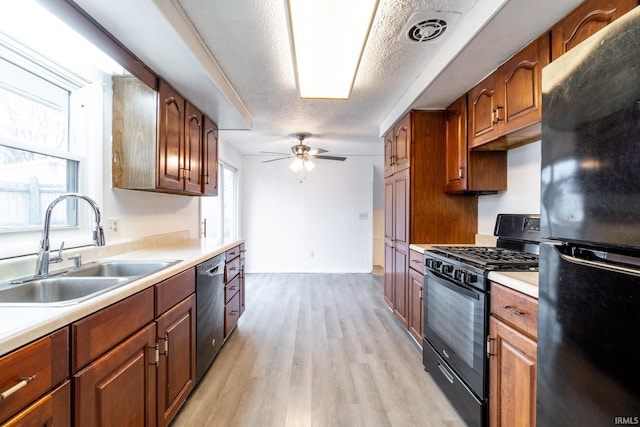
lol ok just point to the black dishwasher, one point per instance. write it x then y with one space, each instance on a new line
209 312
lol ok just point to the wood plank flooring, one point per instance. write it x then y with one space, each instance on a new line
317 350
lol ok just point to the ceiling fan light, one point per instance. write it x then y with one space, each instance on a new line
327 41
297 164
309 165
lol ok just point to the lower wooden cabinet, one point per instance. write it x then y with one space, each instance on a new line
53 409
177 362
119 388
234 294
513 358
416 309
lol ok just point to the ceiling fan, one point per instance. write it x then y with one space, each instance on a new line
302 154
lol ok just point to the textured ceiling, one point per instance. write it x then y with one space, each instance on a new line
232 59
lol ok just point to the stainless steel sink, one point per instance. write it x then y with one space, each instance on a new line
72 287
120 268
58 290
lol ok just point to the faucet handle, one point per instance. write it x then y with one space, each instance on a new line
77 261
58 258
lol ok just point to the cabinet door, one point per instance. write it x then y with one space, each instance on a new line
416 310
54 409
456 145
177 369
521 87
401 206
388 208
584 21
388 153
401 282
484 99
512 383
119 389
170 138
210 157
389 272
193 150
402 144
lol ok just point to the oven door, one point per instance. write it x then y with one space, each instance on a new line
455 324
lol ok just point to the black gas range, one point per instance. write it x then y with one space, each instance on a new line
456 309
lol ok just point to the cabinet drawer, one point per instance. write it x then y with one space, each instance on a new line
54 409
515 308
45 362
231 269
173 290
232 253
416 261
231 288
99 332
231 314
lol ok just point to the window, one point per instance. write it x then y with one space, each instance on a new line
220 214
54 93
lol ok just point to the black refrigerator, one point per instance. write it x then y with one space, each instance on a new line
589 298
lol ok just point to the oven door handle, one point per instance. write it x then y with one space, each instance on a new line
456 287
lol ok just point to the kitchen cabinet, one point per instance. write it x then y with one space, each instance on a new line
416 287
28 374
233 289
53 409
416 208
479 172
512 365
114 362
397 147
210 157
160 141
175 307
242 279
505 108
585 20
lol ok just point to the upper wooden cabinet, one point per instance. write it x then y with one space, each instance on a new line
161 142
508 102
210 157
397 153
585 20
470 171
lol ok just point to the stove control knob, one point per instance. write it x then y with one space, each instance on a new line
471 278
447 269
460 276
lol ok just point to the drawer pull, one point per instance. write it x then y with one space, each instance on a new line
233 268
234 288
233 312
23 382
513 310
446 374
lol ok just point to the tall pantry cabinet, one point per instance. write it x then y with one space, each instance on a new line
417 210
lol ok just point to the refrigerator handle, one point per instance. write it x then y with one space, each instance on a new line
601 260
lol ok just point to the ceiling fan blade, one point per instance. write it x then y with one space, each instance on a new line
330 158
317 151
274 152
279 158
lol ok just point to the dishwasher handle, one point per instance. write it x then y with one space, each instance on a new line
212 267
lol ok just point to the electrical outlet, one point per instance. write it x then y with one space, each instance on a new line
311 254
113 224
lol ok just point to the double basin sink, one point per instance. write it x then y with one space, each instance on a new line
75 286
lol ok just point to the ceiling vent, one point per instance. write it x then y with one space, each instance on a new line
429 27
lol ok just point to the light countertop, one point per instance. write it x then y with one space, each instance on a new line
21 325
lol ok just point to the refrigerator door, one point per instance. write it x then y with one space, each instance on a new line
590 172
588 335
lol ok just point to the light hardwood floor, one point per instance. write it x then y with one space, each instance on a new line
317 350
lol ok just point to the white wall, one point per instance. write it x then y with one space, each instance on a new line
310 224
523 188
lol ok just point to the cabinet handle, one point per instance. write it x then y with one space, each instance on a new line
513 310
166 345
234 288
489 339
156 355
23 382
233 312
461 172
495 115
233 268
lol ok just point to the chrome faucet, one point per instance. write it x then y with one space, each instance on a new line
42 261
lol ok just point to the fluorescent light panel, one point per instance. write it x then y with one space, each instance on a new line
328 38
